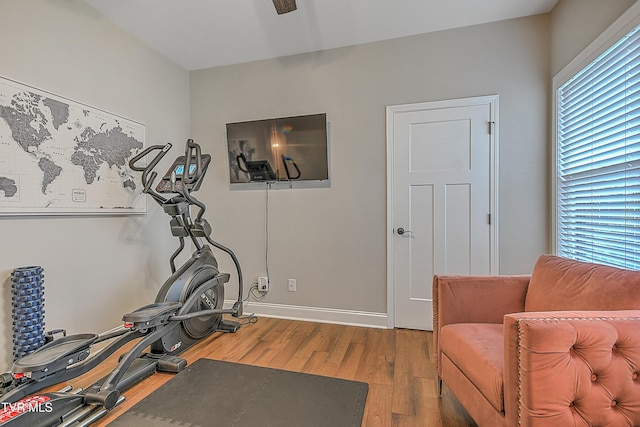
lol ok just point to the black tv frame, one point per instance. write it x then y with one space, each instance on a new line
303 139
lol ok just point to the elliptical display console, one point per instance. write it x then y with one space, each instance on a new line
172 181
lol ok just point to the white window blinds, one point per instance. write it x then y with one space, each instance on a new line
598 134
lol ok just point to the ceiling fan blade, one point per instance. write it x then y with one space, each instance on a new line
284 6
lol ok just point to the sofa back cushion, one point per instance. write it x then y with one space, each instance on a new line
563 284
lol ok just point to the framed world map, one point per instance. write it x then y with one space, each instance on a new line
59 156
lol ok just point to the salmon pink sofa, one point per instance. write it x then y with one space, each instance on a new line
559 347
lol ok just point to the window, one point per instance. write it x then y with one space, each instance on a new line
598 158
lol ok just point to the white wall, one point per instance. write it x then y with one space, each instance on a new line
96 268
333 241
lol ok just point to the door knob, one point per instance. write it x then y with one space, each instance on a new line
402 231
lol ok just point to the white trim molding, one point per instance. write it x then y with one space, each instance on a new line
316 314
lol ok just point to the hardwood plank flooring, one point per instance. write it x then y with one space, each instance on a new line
397 365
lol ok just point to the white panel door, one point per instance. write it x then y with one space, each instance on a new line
440 200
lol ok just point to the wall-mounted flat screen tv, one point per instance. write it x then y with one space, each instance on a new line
291 150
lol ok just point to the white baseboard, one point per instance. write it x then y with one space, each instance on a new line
316 314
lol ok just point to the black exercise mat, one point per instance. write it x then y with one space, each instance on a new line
212 393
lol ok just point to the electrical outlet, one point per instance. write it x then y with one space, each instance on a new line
263 284
292 285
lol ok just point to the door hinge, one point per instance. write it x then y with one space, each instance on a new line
489 218
491 124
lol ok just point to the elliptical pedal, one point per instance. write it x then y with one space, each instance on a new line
151 315
55 356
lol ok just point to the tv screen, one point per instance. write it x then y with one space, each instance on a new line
286 149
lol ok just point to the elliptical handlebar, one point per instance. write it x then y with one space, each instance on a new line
147 170
289 159
190 147
199 224
242 165
189 178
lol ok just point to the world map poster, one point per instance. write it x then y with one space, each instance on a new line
59 156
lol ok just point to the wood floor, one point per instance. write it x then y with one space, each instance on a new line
397 365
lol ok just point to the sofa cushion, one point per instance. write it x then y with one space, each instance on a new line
563 284
477 350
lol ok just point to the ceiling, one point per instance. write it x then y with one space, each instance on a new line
207 33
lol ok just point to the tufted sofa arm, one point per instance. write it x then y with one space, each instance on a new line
572 368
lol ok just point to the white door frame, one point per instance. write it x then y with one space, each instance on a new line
492 102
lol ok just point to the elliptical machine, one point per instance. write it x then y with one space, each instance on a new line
186 283
188 307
